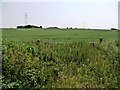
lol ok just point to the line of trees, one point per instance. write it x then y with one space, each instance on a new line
29 26
52 28
33 26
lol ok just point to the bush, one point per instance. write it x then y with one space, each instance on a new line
113 29
40 26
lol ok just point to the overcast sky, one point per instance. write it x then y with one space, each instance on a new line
61 13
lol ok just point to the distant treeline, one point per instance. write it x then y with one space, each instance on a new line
29 26
114 29
52 28
33 26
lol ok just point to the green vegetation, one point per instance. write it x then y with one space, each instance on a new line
37 59
59 35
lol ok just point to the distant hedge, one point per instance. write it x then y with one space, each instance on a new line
113 29
52 28
29 26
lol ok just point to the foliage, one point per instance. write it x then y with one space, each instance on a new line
52 28
29 26
40 64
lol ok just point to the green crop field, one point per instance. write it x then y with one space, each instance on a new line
62 35
63 58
